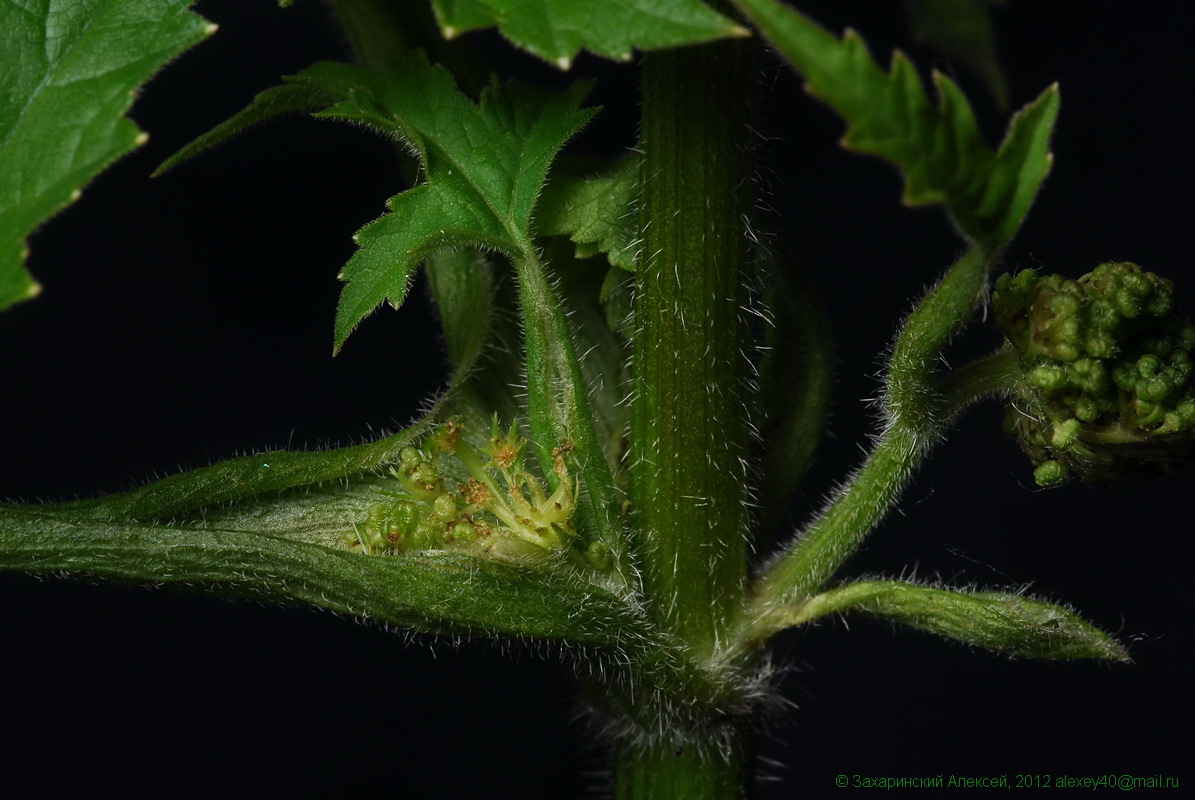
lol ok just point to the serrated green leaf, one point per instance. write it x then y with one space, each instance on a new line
436 593
68 74
420 222
962 30
1021 164
556 30
596 211
939 148
485 166
1003 622
273 102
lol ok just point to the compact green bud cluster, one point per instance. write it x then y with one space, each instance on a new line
501 511
1106 390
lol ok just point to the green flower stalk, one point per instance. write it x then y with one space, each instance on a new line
1107 364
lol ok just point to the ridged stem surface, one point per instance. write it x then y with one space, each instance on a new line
689 433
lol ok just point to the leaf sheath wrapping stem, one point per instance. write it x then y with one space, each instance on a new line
559 406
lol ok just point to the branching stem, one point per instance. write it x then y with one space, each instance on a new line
917 408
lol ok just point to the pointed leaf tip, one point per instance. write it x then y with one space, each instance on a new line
485 165
77 72
937 146
1003 622
291 97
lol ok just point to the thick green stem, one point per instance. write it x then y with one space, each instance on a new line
693 773
688 431
687 711
689 434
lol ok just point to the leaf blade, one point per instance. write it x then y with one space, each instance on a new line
485 166
1028 134
238 479
556 30
69 72
938 148
419 222
595 211
266 105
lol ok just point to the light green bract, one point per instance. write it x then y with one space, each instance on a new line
68 73
939 148
269 527
556 30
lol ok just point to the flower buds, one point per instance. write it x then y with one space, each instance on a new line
500 511
1108 366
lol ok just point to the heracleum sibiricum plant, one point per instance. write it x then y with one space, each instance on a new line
619 429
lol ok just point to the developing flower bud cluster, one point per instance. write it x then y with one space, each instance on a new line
1107 386
501 511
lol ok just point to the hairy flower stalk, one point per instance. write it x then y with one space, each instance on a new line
916 410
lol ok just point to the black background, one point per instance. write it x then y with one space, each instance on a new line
188 319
